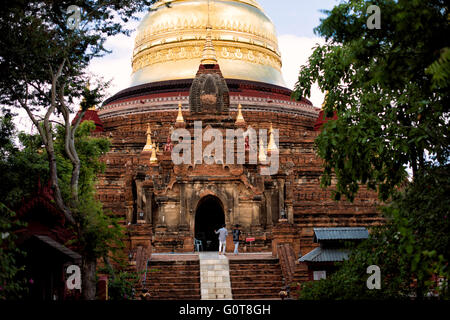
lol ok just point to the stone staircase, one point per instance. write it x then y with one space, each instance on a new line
256 278
208 276
214 276
173 279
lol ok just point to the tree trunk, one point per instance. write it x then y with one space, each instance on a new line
89 278
54 182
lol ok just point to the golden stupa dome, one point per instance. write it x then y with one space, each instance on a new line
170 41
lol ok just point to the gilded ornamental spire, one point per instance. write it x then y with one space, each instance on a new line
180 118
240 118
209 53
153 158
272 146
148 146
262 153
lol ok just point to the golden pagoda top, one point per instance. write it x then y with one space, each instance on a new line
250 2
209 54
171 39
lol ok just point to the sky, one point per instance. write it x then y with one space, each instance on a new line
294 21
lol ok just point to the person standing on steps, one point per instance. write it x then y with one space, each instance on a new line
222 232
236 234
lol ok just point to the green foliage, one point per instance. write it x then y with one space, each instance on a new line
440 70
36 40
20 169
44 70
97 233
388 88
122 285
19 172
413 246
12 285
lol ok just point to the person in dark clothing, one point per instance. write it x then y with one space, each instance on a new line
236 234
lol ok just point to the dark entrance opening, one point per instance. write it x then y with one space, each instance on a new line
209 217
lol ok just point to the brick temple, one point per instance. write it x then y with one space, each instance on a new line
216 63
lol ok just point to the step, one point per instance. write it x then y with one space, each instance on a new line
190 297
255 284
256 273
252 296
174 279
175 271
246 278
162 268
261 261
173 291
264 291
214 277
154 285
173 262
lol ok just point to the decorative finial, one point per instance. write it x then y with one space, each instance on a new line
88 87
240 118
209 53
272 146
153 158
325 99
262 154
180 118
148 146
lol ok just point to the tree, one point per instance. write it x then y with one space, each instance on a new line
21 166
411 248
11 284
389 88
43 70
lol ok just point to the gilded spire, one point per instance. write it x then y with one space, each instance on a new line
209 54
272 146
88 87
240 117
153 158
180 118
148 145
262 154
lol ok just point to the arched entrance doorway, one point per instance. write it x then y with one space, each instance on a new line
209 216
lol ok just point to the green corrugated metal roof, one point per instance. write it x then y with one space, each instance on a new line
321 234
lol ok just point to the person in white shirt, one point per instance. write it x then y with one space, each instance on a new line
222 232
